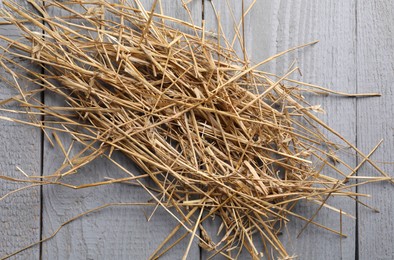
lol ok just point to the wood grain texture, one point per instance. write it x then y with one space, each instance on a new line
275 26
330 63
19 147
375 72
229 13
115 232
355 54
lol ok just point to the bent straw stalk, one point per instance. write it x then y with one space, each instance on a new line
216 136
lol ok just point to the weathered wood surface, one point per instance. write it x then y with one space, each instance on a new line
277 26
355 54
117 232
20 146
330 63
375 72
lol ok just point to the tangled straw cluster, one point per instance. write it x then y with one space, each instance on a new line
216 136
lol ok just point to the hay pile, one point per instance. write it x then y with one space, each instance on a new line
216 136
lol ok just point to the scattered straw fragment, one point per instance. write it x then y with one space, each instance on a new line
183 108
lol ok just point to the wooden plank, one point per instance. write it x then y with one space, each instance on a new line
229 14
330 63
375 72
274 26
20 146
116 232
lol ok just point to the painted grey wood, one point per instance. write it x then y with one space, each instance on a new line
355 54
19 147
375 72
330 63
113 233
229 13
274 26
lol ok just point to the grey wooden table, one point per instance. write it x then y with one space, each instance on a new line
355 54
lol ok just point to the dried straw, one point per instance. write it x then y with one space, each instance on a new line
217 137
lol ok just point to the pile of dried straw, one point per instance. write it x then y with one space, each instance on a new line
216 136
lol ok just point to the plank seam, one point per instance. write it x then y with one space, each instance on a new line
356 253
42 118
200 250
